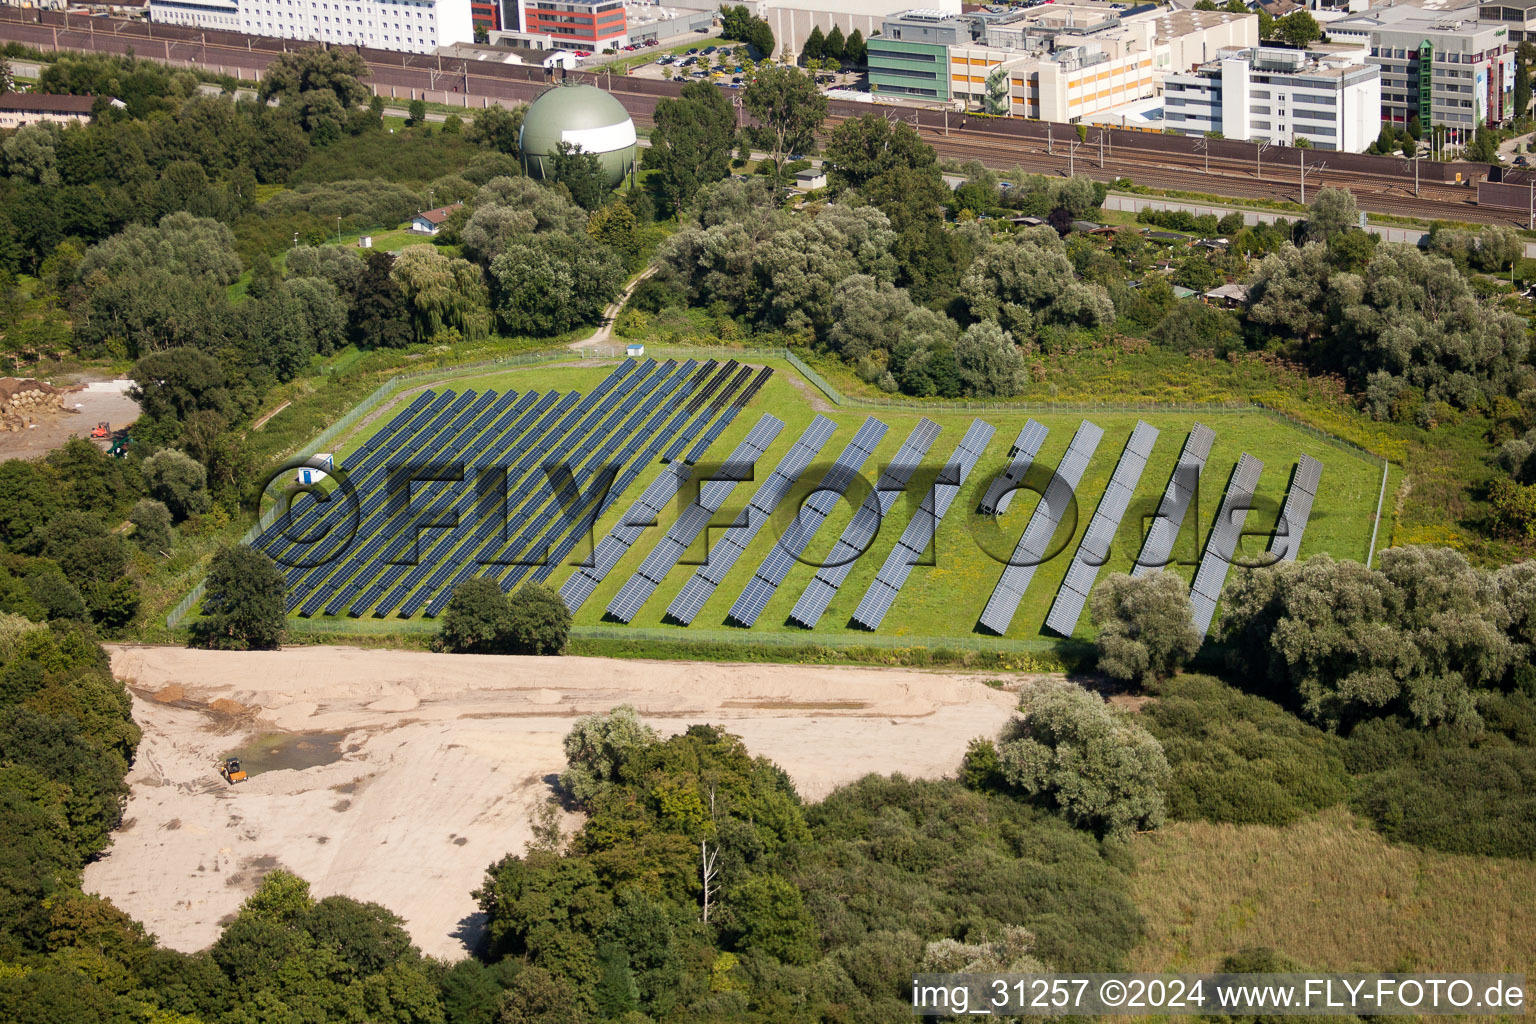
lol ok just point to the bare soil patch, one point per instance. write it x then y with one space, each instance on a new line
421 769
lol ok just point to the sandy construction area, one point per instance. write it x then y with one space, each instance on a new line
422 769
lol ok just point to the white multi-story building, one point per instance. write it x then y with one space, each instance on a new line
1058 62
414 26
1281 96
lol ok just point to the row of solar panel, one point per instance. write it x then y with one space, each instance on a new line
392 528
487 424
1034 543
1093 549
922 528
860 533
644 512
1211 574
813 512
685 530
661 405
645 443
722 556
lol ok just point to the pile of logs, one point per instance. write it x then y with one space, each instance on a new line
23 401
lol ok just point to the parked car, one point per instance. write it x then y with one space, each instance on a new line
1522 161
710 49
583 53
693 51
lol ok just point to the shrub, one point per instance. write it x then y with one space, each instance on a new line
1146 626
480 619
243 605
1239 758
1093 763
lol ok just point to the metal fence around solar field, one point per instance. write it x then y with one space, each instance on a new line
828 390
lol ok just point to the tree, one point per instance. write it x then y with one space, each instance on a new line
1415 639
988 361
1027 282
549 283
179 481
243 602
815 45
497 128
862 149
1146 626
416 113
691 143
856 52
1298 28
475 619
299 74
442 292
598 747
151 525
580 172
380 316
836 47
789 110
537 622
1333 211
1522 86
31 501
1092 762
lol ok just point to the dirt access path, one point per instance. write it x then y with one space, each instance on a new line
400 776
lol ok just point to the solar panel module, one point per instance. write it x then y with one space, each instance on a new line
1093 549
922 528
1034 543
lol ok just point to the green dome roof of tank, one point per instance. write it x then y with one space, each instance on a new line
584 116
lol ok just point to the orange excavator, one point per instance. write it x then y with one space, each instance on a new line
101 430
232 771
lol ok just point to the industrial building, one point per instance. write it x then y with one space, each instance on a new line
1277 95
1447 68
415 26
581 116
1058 62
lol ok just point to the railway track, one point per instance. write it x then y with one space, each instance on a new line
1222 176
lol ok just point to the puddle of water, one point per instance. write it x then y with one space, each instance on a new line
275 751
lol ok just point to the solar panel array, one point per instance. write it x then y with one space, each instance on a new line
738 376
739 403
1093 549
436 487
1211 576
1034 544
713 493
1184 483
860 533
1297 509
922 529
561 495
734 541
573 415
812 513
1000 495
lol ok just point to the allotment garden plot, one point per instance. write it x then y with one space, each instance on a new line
709 498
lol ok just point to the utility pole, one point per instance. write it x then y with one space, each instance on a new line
1203 145
1049 151
1530 223
1316 168
1101 147
1258 159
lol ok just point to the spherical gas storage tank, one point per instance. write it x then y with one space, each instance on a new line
582 115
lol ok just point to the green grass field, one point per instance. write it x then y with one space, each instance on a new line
944 598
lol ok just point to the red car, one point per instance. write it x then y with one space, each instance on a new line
583 53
